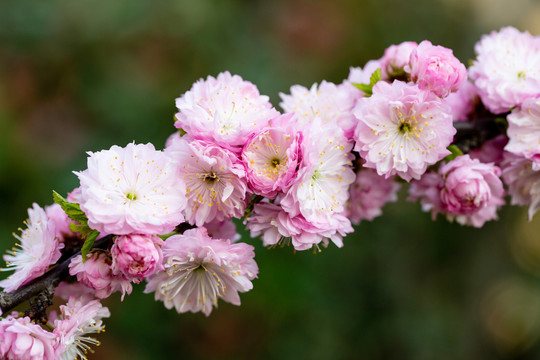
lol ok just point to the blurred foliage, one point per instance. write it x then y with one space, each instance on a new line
83 75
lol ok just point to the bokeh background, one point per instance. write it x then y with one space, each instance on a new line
82 75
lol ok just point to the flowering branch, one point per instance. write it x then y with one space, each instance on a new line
46 283
302 177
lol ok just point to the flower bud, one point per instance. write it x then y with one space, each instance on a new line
472 190
137 256
436 68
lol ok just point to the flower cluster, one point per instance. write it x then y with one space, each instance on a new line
334 156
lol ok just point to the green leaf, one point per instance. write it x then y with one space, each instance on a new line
88 243
182 132
375 77
166 236
502 124
455 152
74 212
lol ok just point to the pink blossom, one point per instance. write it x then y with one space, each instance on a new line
327 101
523 182
507 69
65 290
96 272
75 196
225 110
368 194
61 222
394 60
20 339
271 157
38 249
402 129
359 75
199 270
524 131
435 68
132 190
321 188
491 151
78 319
278 227
428 190
136 256
225 229
463 102
214 177
472 191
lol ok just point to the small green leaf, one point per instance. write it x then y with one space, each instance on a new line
72 210
88 243
502 124
80 225
375 77
363 87
455 152
166 236
182 132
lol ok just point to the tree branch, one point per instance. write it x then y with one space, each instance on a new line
470 135
46 282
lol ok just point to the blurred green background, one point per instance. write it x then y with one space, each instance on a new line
80 75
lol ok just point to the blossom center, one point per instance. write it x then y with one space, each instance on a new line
131 196
209 177
405 127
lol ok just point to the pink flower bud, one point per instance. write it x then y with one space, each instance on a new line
436 68
96 273
472 190
137 256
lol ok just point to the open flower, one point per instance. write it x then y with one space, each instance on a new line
368 194
78 319
524 131
277 226
402 129
225 110
507 69
321 188
214 177
523 182
38 249
199 270
272 156
20 338
327 101
132 190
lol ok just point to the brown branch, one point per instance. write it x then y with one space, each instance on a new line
472 134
